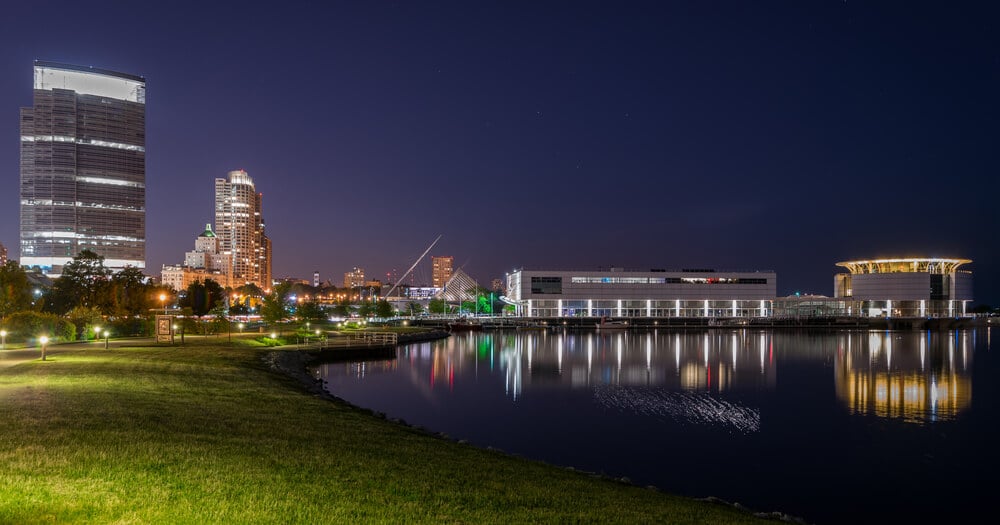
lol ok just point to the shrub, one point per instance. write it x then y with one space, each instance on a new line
26 326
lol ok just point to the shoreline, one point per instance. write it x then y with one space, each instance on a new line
295 363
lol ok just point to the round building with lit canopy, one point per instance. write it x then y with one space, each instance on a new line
907 287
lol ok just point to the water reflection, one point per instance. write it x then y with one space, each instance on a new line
708 362
609 402
916 377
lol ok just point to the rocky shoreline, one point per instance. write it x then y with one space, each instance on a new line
295 363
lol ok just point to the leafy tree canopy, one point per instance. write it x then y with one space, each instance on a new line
383 309
310 311
275 307
201 297
15 289
84 282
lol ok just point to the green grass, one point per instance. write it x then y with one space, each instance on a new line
205 433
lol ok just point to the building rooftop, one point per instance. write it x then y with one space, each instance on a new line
904 265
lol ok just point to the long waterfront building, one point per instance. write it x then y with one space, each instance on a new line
618 292
83 167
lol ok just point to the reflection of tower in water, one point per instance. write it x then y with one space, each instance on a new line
918 377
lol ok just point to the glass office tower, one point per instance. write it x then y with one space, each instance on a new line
83 167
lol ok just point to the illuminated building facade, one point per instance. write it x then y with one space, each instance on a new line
906 287
3 254
641 293
354 278
83 167
441 270
239 225
179 277
205 262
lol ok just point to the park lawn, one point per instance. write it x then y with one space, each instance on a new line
206 433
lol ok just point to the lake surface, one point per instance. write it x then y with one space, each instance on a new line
832 427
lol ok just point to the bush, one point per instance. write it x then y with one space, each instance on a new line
131 326
26 326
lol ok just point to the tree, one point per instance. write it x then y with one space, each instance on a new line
201 297
275 309
383 309
85 318
366 309
343 308
84 282
130 293
437 306
15 289
414 308
310 311
219 320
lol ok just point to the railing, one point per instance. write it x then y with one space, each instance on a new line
355 339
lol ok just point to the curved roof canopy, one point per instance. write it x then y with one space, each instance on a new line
904 265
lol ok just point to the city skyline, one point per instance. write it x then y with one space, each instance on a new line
780 136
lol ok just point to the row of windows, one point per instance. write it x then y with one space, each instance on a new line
665 280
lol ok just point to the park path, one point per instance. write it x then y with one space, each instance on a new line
9 358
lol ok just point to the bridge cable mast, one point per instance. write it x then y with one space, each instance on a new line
415 263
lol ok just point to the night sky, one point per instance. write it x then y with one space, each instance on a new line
781 136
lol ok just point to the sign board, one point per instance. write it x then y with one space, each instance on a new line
164 329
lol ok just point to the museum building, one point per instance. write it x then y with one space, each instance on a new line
619 292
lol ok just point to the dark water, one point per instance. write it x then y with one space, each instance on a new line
832 427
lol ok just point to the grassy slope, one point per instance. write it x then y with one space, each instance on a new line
205 434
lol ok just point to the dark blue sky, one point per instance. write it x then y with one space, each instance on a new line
738 135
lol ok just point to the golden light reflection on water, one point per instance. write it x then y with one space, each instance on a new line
917 377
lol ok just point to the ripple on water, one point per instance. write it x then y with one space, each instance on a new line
689 408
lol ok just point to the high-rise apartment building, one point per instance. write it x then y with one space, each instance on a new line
441 270
3 254
239 225
83 167
354 278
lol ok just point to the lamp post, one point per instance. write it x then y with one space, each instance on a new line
97 333
163 306
106 334
3 339
44 340
241 328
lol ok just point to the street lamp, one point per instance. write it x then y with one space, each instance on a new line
3 339
106 334
241 328
97 333
163 306
44 340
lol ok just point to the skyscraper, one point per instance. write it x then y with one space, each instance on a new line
441 269
239 225
83 167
